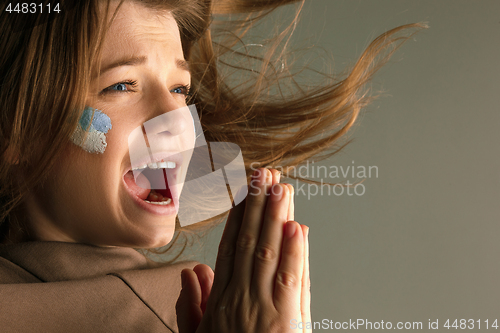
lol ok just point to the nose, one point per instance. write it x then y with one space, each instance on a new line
169 117
171 123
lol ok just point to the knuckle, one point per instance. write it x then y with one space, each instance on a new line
265 253
305 313
278 189
246 243
292 251
226 250
276 215
286 279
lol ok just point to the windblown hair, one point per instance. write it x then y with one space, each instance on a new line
46 66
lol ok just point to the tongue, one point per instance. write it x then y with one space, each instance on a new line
146 180
141 188
158 180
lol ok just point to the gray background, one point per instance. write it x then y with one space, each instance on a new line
423 241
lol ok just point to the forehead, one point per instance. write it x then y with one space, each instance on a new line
137 28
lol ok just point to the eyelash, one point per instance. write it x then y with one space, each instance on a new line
133 84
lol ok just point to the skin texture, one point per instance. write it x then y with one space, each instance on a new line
261 280
85 199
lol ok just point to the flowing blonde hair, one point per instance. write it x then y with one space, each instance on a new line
46 64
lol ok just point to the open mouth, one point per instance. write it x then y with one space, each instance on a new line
151 184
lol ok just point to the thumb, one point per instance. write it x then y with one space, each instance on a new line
188 308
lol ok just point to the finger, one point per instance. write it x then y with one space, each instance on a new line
225 257
188 304
250 228
205 279
305 302
276 176
267 251
288 284
291 207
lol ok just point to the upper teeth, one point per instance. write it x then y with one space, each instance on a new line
157 165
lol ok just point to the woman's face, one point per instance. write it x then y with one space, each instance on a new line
87 198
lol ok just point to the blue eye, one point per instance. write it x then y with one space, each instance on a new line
184 90
120 87
128 86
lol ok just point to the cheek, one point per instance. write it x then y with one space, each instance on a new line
190 135
193 130
91 131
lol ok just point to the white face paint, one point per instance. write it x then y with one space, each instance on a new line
95 124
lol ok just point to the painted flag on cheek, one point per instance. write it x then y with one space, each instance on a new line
94 124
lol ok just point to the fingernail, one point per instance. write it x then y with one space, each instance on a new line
257 174
261 176
268 178
292 190
277 192
290 229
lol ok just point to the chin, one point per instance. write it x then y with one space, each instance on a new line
156 237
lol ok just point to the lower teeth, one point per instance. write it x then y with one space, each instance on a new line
163 203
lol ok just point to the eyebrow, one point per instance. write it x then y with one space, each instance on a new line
135 61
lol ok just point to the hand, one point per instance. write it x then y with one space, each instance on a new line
261 278
196 287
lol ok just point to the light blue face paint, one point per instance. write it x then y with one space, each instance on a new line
96 124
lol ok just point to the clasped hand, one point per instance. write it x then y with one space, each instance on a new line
261 280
